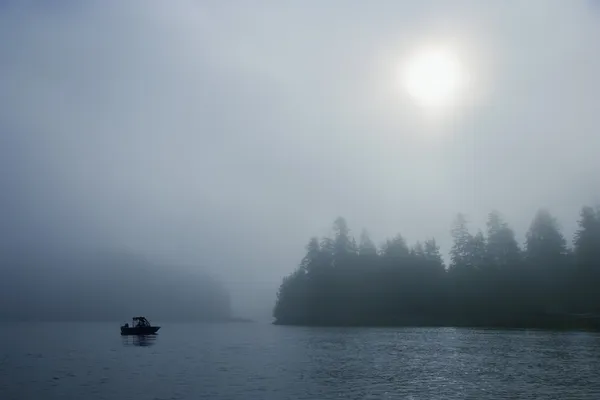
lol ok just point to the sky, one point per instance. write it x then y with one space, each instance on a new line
224 134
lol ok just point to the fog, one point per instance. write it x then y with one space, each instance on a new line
225 134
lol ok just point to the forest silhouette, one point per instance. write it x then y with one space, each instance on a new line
61 285
490 281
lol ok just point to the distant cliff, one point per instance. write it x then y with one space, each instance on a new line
105 286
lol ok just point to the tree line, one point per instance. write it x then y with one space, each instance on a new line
56 285
490 281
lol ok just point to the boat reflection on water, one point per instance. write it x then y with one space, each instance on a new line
139 340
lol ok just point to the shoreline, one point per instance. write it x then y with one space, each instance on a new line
551 324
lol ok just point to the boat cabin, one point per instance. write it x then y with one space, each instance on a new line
140 322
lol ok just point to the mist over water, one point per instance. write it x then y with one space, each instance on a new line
105 286
201 134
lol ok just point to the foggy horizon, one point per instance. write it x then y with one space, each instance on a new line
226 134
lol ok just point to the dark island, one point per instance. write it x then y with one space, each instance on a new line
489 282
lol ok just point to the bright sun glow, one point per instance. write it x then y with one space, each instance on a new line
433 77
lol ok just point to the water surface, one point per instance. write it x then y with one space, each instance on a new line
260 361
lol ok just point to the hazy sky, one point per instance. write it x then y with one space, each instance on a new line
226 133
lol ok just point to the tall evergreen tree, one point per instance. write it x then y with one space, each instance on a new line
547 254
477 254
418 250
502 247
460 254
395 247
366 246
432 253
344 244
587 241
311 259
292 299
327 246
544 241
587 258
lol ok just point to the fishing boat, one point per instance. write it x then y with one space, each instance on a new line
140 326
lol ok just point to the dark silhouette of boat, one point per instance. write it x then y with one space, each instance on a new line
140 326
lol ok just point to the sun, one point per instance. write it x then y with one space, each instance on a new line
433 77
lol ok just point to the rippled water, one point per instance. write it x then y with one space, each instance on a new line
259 361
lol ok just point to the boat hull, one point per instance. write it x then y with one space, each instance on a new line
141 330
